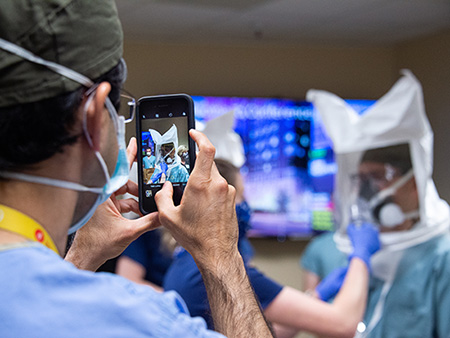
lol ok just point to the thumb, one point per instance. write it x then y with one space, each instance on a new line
146 223
163 199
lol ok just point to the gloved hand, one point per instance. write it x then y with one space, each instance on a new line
331 284
365 241
164 168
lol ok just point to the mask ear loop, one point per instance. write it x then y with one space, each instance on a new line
90 96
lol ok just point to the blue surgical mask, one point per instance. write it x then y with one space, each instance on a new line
243 214
121 172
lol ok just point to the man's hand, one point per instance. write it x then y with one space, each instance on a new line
205 222
108 233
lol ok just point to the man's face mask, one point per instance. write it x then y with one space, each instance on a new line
375 187
121 172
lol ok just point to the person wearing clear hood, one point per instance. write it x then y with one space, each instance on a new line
384 178
63 161
168 163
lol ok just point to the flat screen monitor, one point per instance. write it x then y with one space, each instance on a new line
289 169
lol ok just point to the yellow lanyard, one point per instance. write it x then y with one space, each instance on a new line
14 221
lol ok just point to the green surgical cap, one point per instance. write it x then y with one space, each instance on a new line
84 35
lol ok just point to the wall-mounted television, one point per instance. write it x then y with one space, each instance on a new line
289 168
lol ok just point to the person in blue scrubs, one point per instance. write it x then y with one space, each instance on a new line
409 290
145 260
63 166
385 177
149 160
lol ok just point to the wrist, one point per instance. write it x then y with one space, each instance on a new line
82 258
221 264
362 255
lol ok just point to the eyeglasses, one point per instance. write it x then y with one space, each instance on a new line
379 177
127 107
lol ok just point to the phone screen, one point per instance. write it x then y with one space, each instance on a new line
165 150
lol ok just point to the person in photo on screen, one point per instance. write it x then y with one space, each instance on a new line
168 163
183 153
148 163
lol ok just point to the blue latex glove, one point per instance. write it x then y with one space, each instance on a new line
155 177
365 241
164 167
331 284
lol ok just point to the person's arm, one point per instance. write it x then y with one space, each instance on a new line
134 271
310 281
293 308
205 225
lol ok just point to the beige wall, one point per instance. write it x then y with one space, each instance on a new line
289 71
257 70
429 58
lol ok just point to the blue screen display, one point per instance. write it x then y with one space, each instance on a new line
289 168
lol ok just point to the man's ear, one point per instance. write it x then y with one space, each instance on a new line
97 114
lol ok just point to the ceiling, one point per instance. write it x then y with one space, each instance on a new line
337 22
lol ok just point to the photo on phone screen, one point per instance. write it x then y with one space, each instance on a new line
165 150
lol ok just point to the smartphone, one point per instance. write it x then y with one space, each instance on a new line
165 150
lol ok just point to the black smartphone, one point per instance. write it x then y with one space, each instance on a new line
165 150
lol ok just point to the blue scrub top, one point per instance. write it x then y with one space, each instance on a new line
321 256
149 162
418 303
44 296
177 173
147 251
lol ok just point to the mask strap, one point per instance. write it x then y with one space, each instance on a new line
60 69
412 214
393 188
169 153
49 181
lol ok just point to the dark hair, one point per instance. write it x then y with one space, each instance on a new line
227 170
33 132
398 156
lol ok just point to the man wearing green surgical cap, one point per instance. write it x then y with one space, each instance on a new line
63 161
